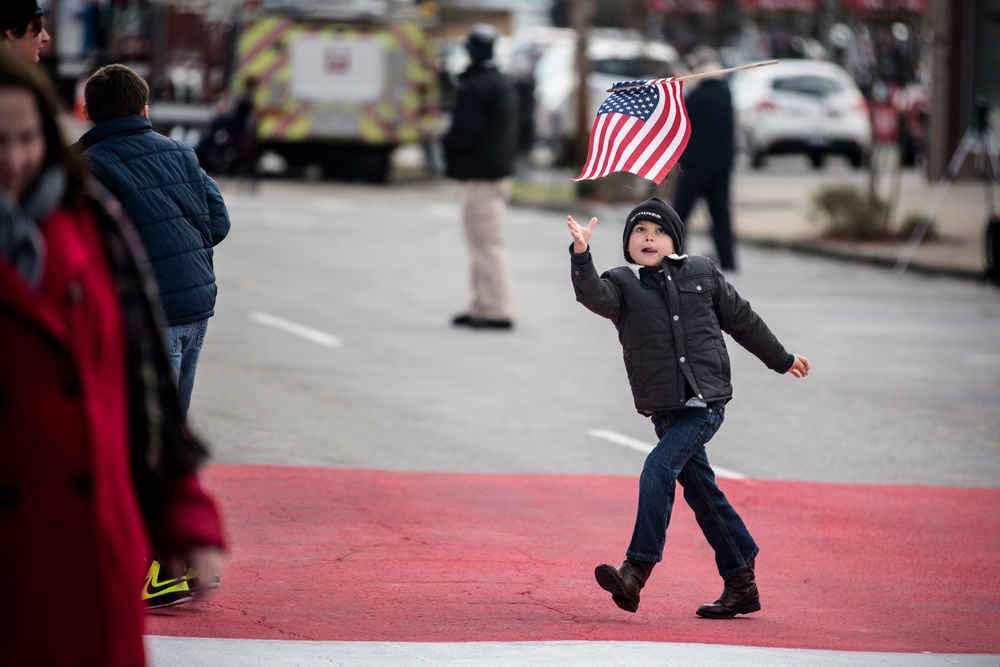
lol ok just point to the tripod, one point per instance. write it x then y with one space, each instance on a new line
980 139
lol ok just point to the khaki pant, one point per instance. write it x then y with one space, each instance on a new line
483 211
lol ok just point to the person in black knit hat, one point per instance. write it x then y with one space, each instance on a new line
23 26
479 150
670 310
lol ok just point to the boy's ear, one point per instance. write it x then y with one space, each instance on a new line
86 114
145 112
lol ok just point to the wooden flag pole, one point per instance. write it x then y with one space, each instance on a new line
698 76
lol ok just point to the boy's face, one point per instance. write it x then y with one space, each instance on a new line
649 243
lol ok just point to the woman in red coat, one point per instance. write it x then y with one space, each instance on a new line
96 463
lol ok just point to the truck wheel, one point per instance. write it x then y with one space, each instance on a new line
373 164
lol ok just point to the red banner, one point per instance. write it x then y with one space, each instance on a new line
886 6
780 5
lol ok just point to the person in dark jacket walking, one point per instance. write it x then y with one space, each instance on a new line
670 311
479 150
707 162
175 206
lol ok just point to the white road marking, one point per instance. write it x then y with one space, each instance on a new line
983 360
639 445
198 652
313 335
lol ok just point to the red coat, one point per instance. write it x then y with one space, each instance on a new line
71 533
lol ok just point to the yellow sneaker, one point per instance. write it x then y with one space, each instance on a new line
158 593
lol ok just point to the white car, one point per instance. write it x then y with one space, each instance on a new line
809 107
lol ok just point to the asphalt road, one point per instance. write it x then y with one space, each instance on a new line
331 347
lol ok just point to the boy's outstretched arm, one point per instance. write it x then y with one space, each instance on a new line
599 294
800 367
581 234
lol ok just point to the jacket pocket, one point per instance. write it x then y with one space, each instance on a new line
697 286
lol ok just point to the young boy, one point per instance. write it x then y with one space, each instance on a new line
175 206
180 216
670 312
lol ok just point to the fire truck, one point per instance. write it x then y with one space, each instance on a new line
337 83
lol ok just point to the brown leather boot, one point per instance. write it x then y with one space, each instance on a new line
739 596
624 582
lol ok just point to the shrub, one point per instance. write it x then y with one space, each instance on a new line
910 222
848 212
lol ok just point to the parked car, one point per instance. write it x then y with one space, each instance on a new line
615 55
808 107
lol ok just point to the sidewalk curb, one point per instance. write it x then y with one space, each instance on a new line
819 250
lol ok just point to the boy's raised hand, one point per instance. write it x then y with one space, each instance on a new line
800 367
581 234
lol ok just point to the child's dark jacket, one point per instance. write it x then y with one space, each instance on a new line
670 326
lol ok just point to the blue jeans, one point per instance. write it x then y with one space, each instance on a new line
183 345
680 456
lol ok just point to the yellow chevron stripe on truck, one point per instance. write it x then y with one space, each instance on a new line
258 37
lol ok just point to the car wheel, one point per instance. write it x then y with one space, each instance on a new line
758 158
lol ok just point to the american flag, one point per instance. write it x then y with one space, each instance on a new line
642 130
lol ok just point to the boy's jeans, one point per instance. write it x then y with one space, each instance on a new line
183 345
680 456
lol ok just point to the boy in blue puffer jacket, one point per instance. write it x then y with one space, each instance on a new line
180 216
670 310
175 206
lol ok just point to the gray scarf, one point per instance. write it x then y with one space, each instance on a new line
21 240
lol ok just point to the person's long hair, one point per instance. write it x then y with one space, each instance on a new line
34 24
18 75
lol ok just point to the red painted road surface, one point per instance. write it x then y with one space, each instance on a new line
358 555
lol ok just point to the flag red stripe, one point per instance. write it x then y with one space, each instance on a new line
674 137
618 132
678 141
624 145
594 150
612 128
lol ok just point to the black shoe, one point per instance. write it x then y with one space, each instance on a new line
739 596
624 582
481 323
